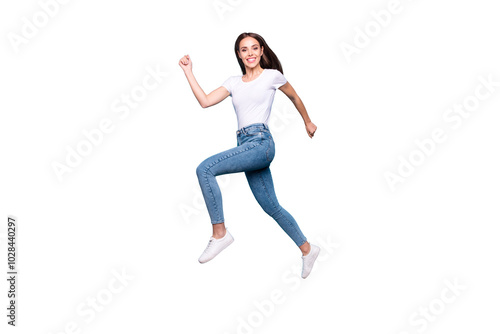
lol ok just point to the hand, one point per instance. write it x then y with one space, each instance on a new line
311 128
185 63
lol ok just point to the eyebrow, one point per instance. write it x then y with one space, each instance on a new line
252 45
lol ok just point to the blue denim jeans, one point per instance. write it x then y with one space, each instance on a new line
252 155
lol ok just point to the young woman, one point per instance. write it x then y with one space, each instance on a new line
252 96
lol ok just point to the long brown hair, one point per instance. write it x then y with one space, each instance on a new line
268 59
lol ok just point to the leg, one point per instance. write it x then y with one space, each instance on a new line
305 248
261 184
238 159
218 230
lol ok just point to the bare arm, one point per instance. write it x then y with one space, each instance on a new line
205 100
297 102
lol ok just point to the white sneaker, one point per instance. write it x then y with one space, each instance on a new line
308 260
215 246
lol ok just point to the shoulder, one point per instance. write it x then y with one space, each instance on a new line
231 79
273 70
277 75
235 78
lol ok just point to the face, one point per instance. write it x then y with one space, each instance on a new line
250 52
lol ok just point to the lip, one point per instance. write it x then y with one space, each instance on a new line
254 58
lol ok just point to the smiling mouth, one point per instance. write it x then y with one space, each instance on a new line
251 60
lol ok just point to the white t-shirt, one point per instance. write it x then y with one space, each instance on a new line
252 100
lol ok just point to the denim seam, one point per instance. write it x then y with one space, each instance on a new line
293 228
213 164
211 192
289 224
279 210
267 192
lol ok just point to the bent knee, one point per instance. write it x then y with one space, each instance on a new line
202 169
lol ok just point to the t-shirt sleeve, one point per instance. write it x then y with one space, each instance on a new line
279 79
227 84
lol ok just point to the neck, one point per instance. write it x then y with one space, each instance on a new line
252 72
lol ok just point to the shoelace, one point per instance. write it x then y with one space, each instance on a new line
210 243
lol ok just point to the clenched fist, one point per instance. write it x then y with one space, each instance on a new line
185 63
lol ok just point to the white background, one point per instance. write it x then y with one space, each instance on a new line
134 204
